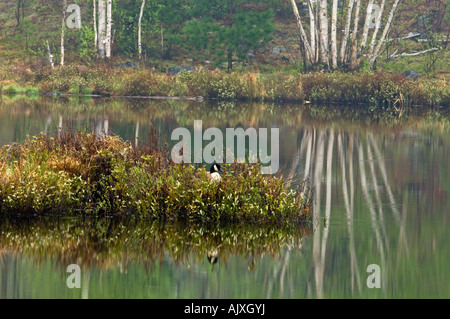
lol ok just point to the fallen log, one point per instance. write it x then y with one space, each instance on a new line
181 98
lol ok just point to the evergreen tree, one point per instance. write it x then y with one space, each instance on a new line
228 28
173 15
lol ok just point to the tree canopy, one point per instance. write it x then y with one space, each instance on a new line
229 31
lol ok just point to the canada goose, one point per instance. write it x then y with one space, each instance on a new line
213 173
213 256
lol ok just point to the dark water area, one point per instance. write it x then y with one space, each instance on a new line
381 198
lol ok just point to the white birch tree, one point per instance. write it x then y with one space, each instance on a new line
367 23
334 60
356 44
346 37
101 28
323 31
353 56
313 31
377 27
304 39
94 14
50 55
108 28
140 29
387 27
63 26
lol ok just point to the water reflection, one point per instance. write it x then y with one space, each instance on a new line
350 167
380 183
108 244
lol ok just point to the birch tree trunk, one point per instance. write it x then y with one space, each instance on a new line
346 31
101 28
304 39
377 27
323 31
108 28
50 56
387 27
333 34
322 45
94 14
62 31
353 62
366 27
140 29
313 29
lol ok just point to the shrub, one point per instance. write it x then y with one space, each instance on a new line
32 91
284 87
379 89
136 83
212 84
11 90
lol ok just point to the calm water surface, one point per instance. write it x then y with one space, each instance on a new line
381 197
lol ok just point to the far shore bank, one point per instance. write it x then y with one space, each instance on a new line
369 89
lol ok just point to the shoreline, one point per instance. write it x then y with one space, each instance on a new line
370 89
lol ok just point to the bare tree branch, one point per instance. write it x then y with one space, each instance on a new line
394 55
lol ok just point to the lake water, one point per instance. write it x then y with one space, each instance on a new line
380 210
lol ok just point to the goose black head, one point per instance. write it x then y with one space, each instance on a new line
213 259
215 168
213 256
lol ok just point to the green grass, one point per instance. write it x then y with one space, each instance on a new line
13 90
32 91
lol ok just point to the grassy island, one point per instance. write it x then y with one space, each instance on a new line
77 173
